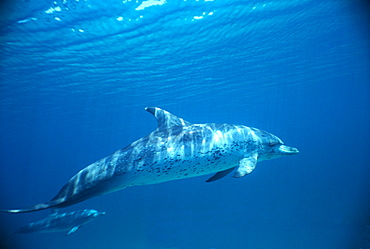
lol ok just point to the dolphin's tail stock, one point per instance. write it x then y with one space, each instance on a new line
33 208
70 194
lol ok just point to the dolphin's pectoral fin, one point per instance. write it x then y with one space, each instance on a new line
246 166
220 174
73 230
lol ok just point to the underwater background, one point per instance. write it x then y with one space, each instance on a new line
77 74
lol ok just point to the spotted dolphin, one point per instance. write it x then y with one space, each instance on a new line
58 222
177 149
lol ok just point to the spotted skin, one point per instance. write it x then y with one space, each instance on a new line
177 149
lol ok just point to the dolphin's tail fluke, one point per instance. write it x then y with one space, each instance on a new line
33 208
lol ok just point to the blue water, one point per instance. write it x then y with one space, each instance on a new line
76 75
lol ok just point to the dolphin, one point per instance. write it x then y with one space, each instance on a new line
55 222
177 149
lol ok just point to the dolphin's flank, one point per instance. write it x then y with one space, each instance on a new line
177 149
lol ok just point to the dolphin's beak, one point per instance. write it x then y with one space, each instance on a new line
288 150
99 214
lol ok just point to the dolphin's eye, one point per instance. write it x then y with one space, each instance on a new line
272 142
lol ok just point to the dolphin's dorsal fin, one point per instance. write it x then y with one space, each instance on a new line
53 211
165 119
